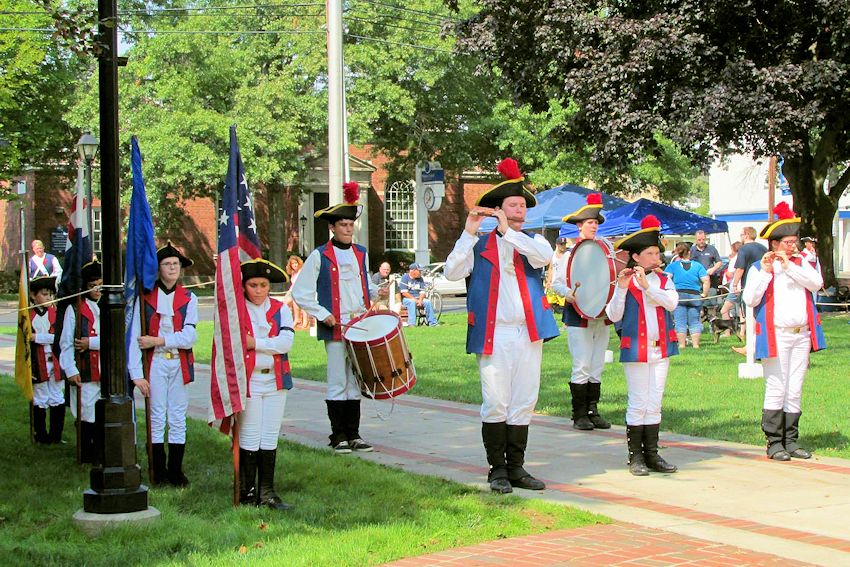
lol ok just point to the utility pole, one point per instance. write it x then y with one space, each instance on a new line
336 94
771 187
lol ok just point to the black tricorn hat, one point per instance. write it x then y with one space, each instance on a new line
259 268
648 235
43 282
592 210
786 224
169 251
92 271
349 209
512 186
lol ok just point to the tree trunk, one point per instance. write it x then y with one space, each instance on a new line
277 224
816 209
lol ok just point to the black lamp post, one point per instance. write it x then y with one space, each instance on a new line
301 236
87 148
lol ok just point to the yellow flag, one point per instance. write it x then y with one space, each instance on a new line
23 352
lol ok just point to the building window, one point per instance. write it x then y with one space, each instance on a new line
96 231
399 216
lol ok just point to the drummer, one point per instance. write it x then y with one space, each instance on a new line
334 287
587 338
508 321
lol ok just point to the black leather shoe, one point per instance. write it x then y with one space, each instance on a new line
528 482
781 456
658 464
275 503
583 424
638 468
599 422
800 454
501 485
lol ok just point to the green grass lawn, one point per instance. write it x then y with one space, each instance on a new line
347 511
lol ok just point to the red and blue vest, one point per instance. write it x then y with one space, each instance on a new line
181 305
41 352
765 330
482 298
88 362
282 371
634 344
327 287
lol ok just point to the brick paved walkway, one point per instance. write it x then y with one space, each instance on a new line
611 544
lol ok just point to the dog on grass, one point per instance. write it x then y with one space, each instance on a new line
719 326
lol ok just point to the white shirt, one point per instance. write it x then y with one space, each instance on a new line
654 296
267 346
351 303
67 360
789 291
538 252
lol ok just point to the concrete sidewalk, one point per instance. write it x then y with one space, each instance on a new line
724 493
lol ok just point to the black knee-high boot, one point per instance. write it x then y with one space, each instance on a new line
517 441
594 391
175 464
792 434
495 436
39 424
268 497
634 439
336 415
653 460
57 423
160 471
352 427
579 400
248 477
772 423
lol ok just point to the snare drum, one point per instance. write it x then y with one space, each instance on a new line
591 274
379 355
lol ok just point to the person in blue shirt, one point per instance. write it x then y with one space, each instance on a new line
692 281
412 288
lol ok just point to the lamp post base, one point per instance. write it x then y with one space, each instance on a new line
93 524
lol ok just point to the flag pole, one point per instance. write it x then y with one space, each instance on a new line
78 422
25 269
235 450
146 372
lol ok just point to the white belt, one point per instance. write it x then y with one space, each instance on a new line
793 330
169 355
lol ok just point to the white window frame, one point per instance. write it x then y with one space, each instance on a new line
400 211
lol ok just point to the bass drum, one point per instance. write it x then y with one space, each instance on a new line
592 274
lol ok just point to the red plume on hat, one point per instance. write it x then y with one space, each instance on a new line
782 211
594 198
509 168
650 221
350 192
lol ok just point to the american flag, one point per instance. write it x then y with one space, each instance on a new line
237 241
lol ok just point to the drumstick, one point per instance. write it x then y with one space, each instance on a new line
350 326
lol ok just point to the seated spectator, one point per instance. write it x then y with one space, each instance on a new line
381 279
691 281
412 289
300 318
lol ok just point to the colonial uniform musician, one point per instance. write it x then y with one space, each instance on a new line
781 289
810 252
587 338
269 342
48 389
334 287
80 356
170 315
509 318
643 302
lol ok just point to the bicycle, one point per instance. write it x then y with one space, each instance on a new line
436 300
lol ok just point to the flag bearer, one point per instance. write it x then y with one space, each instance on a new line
48 388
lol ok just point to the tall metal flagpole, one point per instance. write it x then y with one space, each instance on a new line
336 121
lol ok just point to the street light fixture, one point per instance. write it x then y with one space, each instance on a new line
303 220
87 148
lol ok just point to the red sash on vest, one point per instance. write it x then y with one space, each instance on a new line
41 352
281 361
660 316
335 294
88 363
152 319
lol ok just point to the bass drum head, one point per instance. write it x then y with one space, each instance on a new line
371 327
590 274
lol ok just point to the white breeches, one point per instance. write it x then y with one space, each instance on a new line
47 394
784 374
91 394
342 385
259 426
645 381
587 348
169 400
510 377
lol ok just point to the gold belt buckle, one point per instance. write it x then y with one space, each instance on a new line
266 371
169 355
796 330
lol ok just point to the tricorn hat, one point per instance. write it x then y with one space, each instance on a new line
259 268
512 186
349 209
786 224
43 282
169 251
92 271
648 235
592 210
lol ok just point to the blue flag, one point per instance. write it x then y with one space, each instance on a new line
142 267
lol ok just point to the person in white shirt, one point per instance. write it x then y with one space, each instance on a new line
80 356
781 290
48 391
270 378
170 318
43 264
334 287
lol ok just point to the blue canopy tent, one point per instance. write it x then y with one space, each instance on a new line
626 220
553 204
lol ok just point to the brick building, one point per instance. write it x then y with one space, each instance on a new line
284 214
